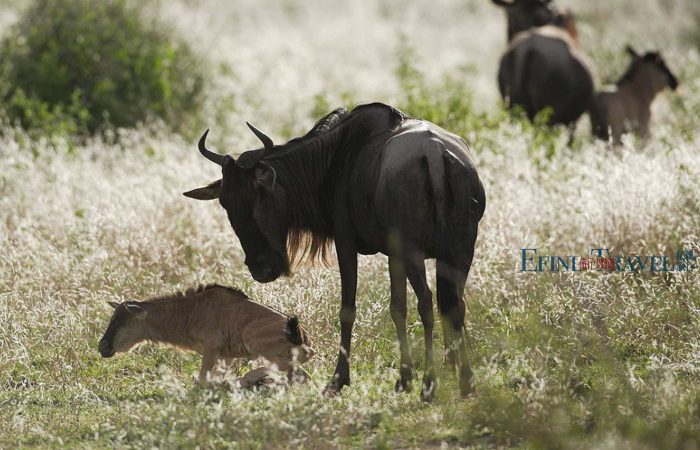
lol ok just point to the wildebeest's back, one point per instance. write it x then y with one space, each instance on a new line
544 68
423 174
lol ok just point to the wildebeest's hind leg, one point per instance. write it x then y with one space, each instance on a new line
415 270
397 274
453 264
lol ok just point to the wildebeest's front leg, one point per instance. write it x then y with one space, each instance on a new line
347 262
397 275
415 270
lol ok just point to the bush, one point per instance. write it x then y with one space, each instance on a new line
74 66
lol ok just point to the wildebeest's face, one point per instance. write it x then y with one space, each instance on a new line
526 14
652 66
125 329
256 207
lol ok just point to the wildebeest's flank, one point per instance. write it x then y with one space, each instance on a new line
372 180
219 323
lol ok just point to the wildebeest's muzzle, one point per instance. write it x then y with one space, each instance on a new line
106 349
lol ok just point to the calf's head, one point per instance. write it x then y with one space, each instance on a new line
125 329
526 14
256 206
652 68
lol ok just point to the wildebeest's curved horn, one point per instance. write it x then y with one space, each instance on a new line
211 156
267 142
504 2
632 52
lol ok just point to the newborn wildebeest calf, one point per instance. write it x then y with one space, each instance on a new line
219 323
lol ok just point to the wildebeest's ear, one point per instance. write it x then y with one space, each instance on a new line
208 192
631 51
113 304
265 176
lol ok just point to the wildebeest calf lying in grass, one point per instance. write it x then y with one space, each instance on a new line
219 323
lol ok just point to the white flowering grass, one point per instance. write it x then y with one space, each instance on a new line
582 360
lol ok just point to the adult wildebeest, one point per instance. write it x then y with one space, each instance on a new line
219 323
372 180
544 65
628 107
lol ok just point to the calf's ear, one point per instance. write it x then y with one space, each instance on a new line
631 51
113 304
136 309
208 192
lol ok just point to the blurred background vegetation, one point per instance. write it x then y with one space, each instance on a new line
74 67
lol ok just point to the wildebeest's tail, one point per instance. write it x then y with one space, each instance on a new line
293 331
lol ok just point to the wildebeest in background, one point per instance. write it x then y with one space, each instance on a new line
628 107
526 14
544 65
219 323
372 180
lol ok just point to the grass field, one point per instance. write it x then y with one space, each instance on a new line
561 360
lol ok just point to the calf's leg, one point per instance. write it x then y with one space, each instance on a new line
209 358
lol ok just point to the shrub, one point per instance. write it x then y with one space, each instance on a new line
75 65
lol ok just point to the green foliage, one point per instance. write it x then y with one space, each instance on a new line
448 104
73 66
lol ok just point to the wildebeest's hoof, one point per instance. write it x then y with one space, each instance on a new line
427 392
466 388
405 383
334 387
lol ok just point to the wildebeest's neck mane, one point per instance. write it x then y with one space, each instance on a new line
309 168
191 292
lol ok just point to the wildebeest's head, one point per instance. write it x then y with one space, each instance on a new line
125 329
526 14
256 207
652 67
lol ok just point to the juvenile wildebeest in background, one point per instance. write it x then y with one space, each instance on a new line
628 107
544 65
372 180
219 323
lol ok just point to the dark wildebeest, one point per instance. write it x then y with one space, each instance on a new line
544 65
628 107
372 180
219 323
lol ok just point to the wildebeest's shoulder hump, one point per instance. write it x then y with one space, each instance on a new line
396 115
